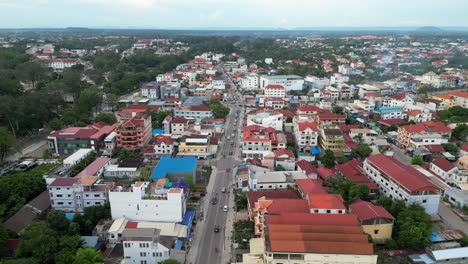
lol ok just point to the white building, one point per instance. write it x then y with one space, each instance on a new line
266 118
249 82
75 194
306 135
194 112
289 82
144 246
403 182
76 157
118 172
363 135
145 202
316 83
265 179
274 90
58 65
150 90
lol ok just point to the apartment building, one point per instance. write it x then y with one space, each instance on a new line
363 135
134 133
274 90
275 103
150 90
330 119
179 125
306 135
250 82
256 140
289 82
265 118
195 112
75 194
391 113
145 246
422 134
195 146
145 201
164 145
403 182
332 139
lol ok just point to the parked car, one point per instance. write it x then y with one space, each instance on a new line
225 208
214 201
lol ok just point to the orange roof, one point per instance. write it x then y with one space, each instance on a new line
414 112
322 247
86 180
175 190
326 201
279 206
309 236
313 219
329 229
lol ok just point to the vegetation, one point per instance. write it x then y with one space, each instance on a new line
157 117
219 110
6 142
240 200
18 188
460 132
108 118
452 149
417 160
122 153
83 164
328 158
338 110
169 261
243 232
456 114
347 189
413 225
279 168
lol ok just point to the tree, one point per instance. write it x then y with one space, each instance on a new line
356 192
364 150
450 148
57 221
279 168
460 132
55 124
337 109
38 241
72 80
87 256
342 160
31 72
169 261
6 142
108 118
328 159
157 117
417 160
3 240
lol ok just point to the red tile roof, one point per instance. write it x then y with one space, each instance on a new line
305 125
306 166
309 108
347 128
179 120
464 147
75 132
325 172
287 152
313 219
326 201
310 186
330 116
413 112
274 86
434 148
131 225
367 210
428 126
200 108
280 206
286 113
94 167
394 121
322 247
272 194
58 182
409 177
398 96
443 164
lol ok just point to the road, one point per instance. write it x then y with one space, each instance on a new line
214 246
451 219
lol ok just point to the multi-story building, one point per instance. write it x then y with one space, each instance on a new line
328 119
332 139
164 145
265 118
195 112
134 133
275 103
363 135
422 134
274 90
306 135
419 116
179 125
374 219
402 182
256 140
109 144
58 65
364 104
196 146
69 140
326 203
144 246
75 194
398 100
145 201
172 102
390 113
309 109
445 169
249 82
289 82
150 90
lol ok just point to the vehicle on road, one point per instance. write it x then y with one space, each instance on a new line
224 190
230 153
225 208
217 228
228 137
214 201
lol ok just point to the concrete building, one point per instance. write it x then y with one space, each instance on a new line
332 139
306 135
144 246
250 82
144 201
399 181
390 113
274 90
363 135
134 133
374 219
266 118
289 82
256 140
150 90
422 134
195 112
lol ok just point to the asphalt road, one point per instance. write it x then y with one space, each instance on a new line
212 244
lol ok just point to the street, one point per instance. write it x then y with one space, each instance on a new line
214 247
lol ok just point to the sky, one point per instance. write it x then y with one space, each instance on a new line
231 13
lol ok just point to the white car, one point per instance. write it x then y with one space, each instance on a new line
225 208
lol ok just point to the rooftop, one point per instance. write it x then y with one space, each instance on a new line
367 210
174 165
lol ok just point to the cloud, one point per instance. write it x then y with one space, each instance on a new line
23 3
216 14
141 4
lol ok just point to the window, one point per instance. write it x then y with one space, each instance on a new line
424 201
316 211
60 203
59 195
328 211
142 254
96 195
127 245
142 261
376 231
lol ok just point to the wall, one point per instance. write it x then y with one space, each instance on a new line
154 253
385 231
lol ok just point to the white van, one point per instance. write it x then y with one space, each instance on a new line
225 208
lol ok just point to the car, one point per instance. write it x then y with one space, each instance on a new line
214 201
225 208
230 153
217 228
224 190
228 169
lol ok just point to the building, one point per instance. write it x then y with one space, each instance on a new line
117 171
444 169
175 168
144 246
404 182
374 219
326 203
256 140
456 255
75 194
58 65
330 119
332 139
390 113
145 201
306 135
179 125
260 178
275 103
460 98
134 133
96 168
68 140
265 118
307 168
196 146
274 90
363 135
285 158
289 82
419 116
76 157
164 145
250 82
150 90
422 134
194 112
109 144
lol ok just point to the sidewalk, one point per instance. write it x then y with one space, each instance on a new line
231 216
200 228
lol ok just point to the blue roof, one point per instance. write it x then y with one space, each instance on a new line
174 165
178 244
156 103
242 166
188 217
435 238
157 131
388 110
315 151
180 184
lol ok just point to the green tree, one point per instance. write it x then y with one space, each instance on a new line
356 192
279 168
417 160
364 150
6 142
65 256
108 118
57 221
3 240
72 80
342 160
328 159
31 72
56 124
87 256
337 110
169 261
157 117
460 132
39 242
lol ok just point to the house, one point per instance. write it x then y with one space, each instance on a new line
179 125
76 157
166 124
275 103
332 139
425 133
195 112
75 194
58 65
134 133
150 90
197 146
460 98
265 118
145 201
274 90
462 162
374 219
264 179
398 100
326 203
444 169
306 135
404 182
447 255
256 140
117 171
145 245
307 168
68 140
289 82
352 170
390 113
463 150
309 109
419 116
363 135
109 144
96 168
328 119
172 102
164 145
457 197
285 158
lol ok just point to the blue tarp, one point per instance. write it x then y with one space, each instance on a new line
180 184
188 217
178 244
435 238
157 131
70 216
174 165
242 166
156 103
315 151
